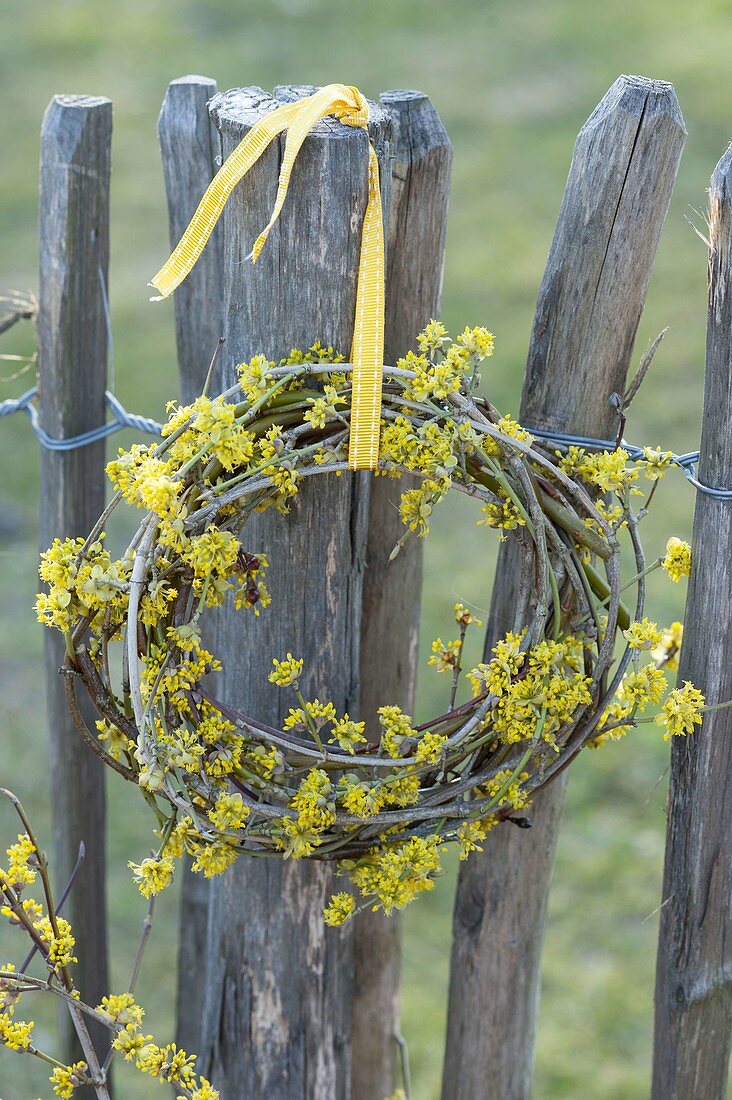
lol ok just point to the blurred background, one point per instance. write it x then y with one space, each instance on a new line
513 84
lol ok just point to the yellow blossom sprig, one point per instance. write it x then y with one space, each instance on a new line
446 657
120 1013
677 562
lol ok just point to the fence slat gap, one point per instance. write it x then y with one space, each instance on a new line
76 141
615 202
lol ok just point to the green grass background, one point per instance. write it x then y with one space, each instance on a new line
513 84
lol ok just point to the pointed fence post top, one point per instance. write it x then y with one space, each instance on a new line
239 109
638 95
715 465
74 125
623 169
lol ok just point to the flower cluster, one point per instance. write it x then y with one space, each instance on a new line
52 937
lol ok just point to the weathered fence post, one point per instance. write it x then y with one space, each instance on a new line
189 145
615 202
420 169
694 969
277 1016
72 334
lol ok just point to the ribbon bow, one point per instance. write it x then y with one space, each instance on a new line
367 349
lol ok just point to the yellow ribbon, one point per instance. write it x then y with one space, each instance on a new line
367 350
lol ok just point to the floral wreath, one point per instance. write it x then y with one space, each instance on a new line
380 802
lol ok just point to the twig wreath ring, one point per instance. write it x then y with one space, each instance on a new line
380 803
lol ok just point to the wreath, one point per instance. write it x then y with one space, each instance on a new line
380 802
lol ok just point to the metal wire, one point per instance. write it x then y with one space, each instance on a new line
685 462
121 418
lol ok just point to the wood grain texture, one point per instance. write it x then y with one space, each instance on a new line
277 1018
189 146
72 335
694 969
421 157
615 202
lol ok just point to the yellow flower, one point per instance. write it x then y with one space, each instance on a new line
320 713
297 841
471 834
363 799
286 672
67 1078
430 748
643 687
159 493
115 742
401 790
677 562
445 657
495 676
313 802
608 470
503 515
348 734
434 380
506 789
22 863
229 812
432 336
120 1008
204 1091
15 1034
655 462
681 711
323 408
152 875
61 946
416 505
52 608
464 617
255 378
235 448
167 1063
340 908
396 727
214 859
510 427
477 341
213 552
214 418
265 761
395 876
129 1042
643 635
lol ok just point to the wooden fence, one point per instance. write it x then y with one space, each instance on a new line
281 1007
